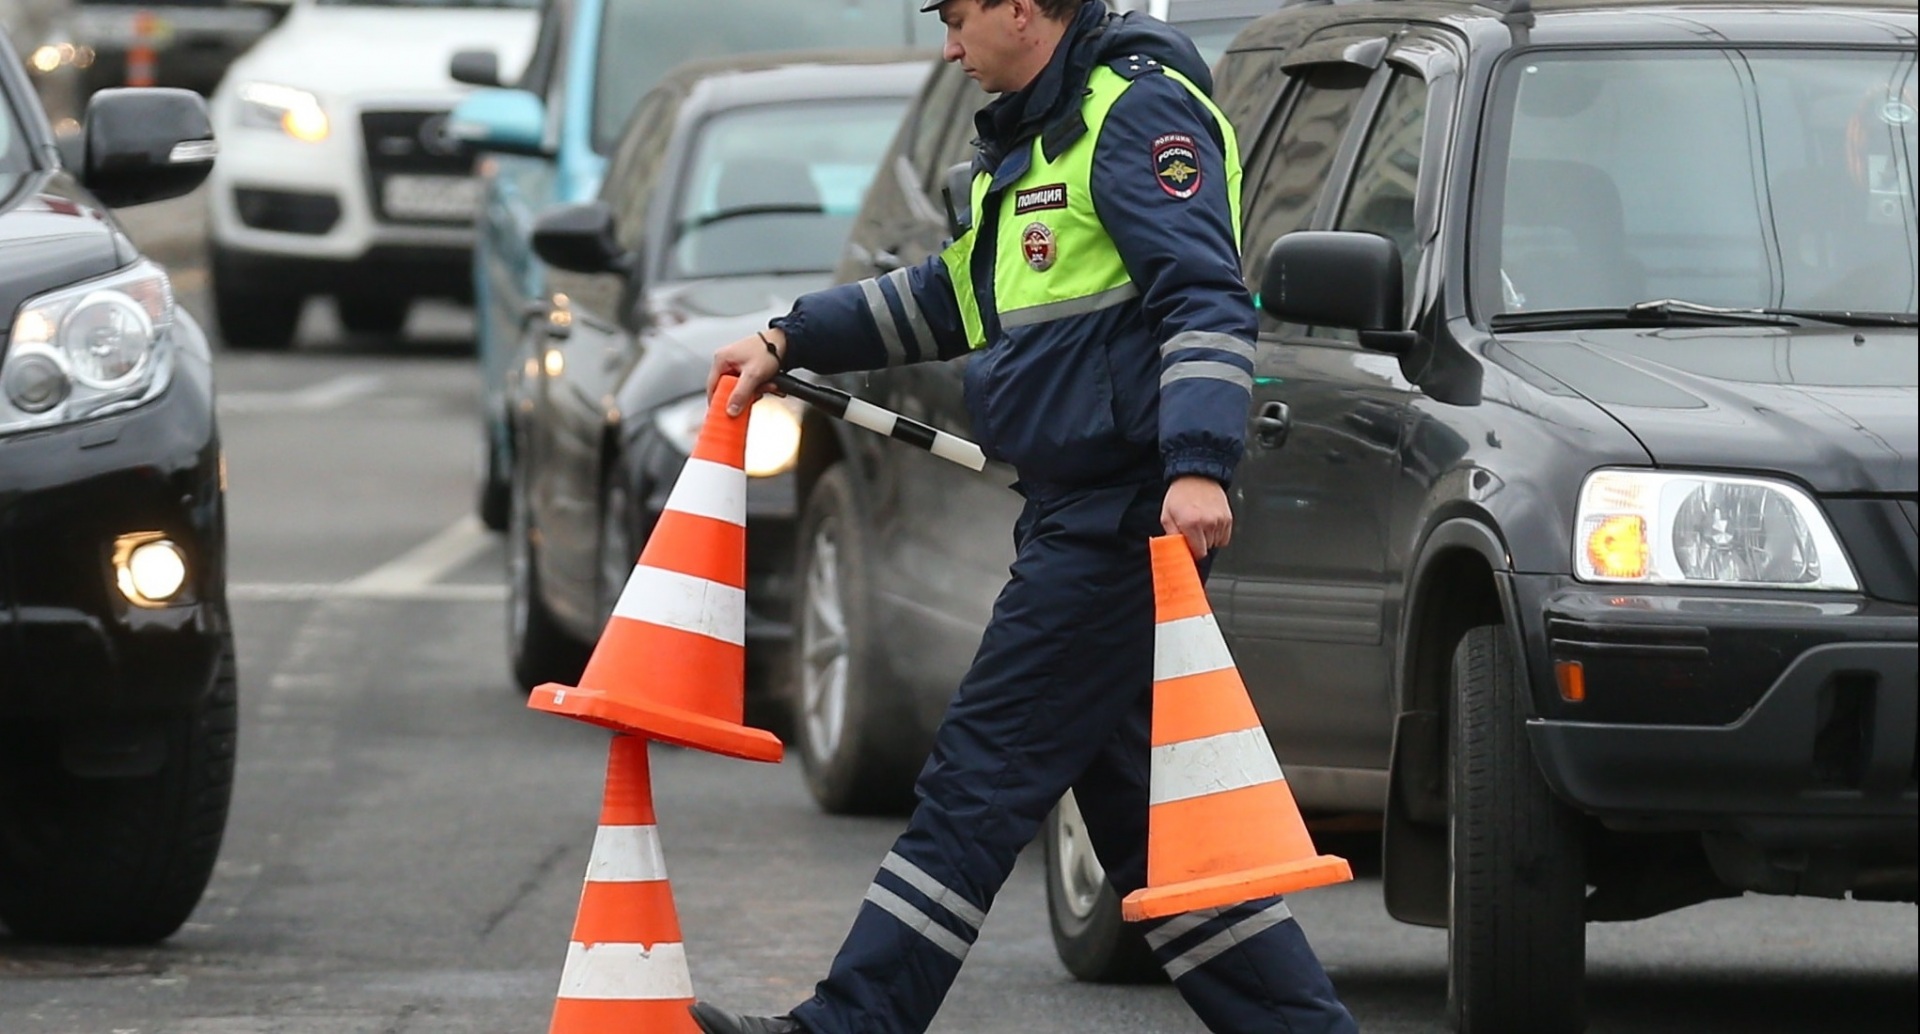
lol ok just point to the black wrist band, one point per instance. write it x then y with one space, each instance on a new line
778 362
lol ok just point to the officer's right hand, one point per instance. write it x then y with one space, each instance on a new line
748 359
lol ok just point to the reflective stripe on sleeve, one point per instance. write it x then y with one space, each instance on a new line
1206 339
883 319
1207 370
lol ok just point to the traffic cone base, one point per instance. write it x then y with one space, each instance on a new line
658 721
1235 887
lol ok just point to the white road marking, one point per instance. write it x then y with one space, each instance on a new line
328 394
414 575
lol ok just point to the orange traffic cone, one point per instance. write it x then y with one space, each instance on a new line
671 664
141 59
1223 827
626 968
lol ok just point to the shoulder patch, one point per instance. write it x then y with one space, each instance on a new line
1133 66
1176 165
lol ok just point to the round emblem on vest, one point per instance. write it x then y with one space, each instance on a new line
1037 243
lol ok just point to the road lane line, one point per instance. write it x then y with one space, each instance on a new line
426 563
328 394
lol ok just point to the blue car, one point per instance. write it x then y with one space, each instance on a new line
545 139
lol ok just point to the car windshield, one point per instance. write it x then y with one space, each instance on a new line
1752 179
640 40
774 189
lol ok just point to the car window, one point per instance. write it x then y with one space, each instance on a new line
636 166
640 40
1740 178
931 132
1290 168
775 189
13 145
555 17
1387 173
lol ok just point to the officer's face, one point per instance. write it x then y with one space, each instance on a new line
993 44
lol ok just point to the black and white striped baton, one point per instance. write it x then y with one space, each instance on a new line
865 414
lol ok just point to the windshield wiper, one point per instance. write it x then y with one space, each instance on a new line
1845 318
1666 312
706 219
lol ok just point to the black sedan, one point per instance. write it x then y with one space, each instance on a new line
117 690
730 192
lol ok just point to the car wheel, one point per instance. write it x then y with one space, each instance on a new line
1094 943
253 315
849 732
120 860
493 501
538 649
373 315
1516 939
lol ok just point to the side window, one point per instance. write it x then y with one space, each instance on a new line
1290 167
542 67
935 114
1381 197
1246 86
636 166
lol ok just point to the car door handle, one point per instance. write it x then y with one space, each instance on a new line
1271 425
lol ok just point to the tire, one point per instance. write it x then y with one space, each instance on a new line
1516 939
1093 942
856 757
494 499
253 316
373 315
538 649
116 860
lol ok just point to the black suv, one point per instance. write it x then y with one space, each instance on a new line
1577 528
117 693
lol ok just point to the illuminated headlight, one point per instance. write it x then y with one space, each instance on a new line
1664 528
149 568
88 349
773 433
296 113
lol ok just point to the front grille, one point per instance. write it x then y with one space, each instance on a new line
415 172
286 211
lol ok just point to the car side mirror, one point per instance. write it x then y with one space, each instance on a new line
145 144
1338 278
957 192
475 67
578 238
505 120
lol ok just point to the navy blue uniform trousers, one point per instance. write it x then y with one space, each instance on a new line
1059 696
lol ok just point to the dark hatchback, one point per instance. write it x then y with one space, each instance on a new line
117 689
729 193
1576 536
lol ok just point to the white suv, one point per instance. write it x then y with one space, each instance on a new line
336 175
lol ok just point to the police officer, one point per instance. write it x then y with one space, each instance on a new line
1099 294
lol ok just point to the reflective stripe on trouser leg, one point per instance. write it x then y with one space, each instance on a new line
1247 969
1065 660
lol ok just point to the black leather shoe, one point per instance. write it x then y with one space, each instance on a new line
719 1021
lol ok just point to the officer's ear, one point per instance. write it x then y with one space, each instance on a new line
957 192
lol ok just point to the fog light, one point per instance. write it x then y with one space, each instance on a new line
149 569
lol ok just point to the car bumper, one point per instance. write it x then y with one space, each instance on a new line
72 648
1784 719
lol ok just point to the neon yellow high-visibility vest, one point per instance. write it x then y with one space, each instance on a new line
1037 223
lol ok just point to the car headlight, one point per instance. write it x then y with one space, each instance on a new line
773 433
294 112
1655 527
89 349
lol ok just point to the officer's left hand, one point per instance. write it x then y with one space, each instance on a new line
1196 508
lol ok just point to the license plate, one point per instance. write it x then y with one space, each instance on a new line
446 198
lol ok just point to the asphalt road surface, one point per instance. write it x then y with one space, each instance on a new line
407 839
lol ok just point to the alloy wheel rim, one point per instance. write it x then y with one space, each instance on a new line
1078 868
823 647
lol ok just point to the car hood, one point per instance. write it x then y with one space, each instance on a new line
692 318
49 238
1832 407
382 51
